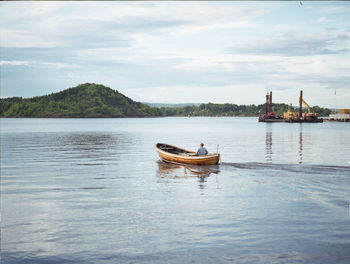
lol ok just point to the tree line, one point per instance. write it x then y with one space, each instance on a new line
94 100
227 109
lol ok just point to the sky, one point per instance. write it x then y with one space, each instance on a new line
180 52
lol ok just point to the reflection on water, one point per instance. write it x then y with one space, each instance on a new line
301 144
174 171
87 143
268 142
86 148
88 139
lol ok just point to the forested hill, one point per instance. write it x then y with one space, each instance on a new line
95 100
85 100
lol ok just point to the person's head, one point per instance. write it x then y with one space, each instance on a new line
202 144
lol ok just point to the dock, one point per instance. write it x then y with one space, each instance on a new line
339 118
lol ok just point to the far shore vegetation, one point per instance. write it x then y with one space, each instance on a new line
95 100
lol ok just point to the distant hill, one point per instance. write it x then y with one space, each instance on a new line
85 100
95 100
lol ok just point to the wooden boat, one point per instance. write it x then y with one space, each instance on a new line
176 155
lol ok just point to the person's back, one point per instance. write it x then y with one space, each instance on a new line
202 150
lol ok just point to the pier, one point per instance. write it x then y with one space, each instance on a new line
339 117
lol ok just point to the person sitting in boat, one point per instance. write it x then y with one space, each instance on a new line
202 150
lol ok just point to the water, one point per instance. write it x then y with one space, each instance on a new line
93 191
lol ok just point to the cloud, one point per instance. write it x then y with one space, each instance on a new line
112 24
335 9
59 65
294 43
233 64
14 63
321 20
210 17
276 87
38 64
64 34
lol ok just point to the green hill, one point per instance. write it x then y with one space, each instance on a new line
95 100
85 100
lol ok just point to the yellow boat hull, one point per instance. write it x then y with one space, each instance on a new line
186 157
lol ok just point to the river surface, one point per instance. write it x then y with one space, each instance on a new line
94 191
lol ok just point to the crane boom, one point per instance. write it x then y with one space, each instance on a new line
307 106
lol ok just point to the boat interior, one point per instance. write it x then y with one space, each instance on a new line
172 149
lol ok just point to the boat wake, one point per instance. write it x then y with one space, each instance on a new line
304 168
169 170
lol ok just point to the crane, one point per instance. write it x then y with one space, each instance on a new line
309 116
307 106
291 116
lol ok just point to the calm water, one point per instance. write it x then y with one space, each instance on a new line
93 191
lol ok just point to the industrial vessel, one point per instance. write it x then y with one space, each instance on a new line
270 116
300 117
290 116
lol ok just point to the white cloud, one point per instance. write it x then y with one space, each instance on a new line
14 63
294 43
58 65
107 24
321 20
335 9
38 64
25 13
16 38
210 18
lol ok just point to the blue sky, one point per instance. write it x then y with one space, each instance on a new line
176 52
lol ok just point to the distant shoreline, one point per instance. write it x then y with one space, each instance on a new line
90 100
110 117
